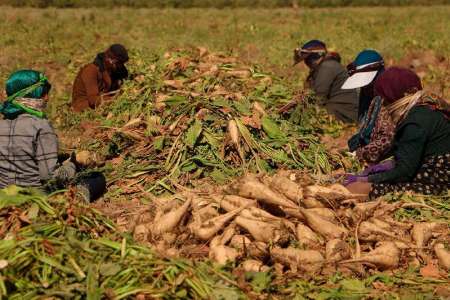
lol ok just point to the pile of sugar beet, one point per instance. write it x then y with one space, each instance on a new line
285 223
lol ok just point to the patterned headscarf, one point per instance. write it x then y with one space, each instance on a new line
25 89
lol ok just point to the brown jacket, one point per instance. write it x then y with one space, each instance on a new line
89 85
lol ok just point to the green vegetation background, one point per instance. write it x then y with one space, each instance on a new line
216 3
59 41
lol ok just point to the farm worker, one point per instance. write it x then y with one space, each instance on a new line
421 146
363 72
326 78
28 143
376 130
97 80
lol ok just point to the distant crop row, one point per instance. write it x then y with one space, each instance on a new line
215 3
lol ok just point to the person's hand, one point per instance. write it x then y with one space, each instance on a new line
379 168
350 178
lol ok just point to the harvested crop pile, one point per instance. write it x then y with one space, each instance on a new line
51 248
194 114
261 225
55 248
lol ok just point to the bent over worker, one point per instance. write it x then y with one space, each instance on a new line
96 79
421 146
29 145
326 78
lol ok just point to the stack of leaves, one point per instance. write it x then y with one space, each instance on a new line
54 249
193 114
281 222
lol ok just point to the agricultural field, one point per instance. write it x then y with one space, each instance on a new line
214 100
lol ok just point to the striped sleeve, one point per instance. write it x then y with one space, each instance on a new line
46 151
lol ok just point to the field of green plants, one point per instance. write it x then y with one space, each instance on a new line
213 97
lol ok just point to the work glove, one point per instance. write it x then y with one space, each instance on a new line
350 178
65 173
379 168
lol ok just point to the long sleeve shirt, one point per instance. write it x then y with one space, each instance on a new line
28 151
380 140
90 84
423 133
326 81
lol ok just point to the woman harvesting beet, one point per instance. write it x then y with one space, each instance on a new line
326 78
28 142
421 146
376 131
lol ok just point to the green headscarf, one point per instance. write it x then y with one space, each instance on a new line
28 84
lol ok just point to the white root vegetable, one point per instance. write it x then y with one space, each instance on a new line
287 187
205 213
258 250
251 187
199 203
380 223
253 265
325 213
337 250
311 202
228 234
306 236
140 232
327 193
208 229
253 249
385 257
260 231
294 212
296 258
167 222
364 210
258 108
340 189
222 254
233 131
368 231
240 242
258 214
231 202
323 226
422 232
86 158
397 224
225 237
442 255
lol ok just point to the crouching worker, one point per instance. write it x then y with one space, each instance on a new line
421 145
28 143
376 131
326 78
96 81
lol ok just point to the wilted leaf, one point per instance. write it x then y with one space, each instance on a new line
193 134
259 280
109 269
175 100
158 143
218 176
353 285
212 140
272 129
92 289
33 211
